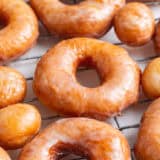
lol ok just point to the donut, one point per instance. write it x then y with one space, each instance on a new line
134 24
147 145
157 38
151 78
143 1
12 86
19 123
86 19
4 155
20 31
56 86
89 138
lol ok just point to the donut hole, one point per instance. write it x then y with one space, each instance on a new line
2 25
70 152
3 22
71 2
70 156
78 1
87 74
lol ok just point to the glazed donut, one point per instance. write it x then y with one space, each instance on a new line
4 155
147 146
151 78
19 123
157 37
134 24
20 31
90 138
12 86
56 86
143 0
91 18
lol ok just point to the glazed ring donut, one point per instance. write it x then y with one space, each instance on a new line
4 155
132 26
12 86
147 146
151 79
143 0
20 31
56 86
88 137
91 18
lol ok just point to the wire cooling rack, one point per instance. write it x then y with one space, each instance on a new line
128 121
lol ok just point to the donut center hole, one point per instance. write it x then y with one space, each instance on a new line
70 156
71 152
71 2
3 22
2 25
87 74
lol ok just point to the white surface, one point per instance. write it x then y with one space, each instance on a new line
130 118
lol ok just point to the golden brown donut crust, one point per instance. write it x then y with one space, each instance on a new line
151 79
143 0
12 86
4 155
88 137
19 123
90 18
56 86
134 24
21 30
147 146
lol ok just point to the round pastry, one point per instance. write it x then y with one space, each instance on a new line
12 86
147 146
19 123
4 155
20 31
56 86
157 37
148 1
151 79
89 138
91 18
134 24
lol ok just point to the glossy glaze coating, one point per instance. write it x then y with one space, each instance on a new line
93 139
56 86
151 79
143 0
91 18
4 155
147 146
20 31
134 24
12 86
157 38
18 124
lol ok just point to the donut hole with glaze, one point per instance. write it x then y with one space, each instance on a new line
88 74
3 21
71 2
70 151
